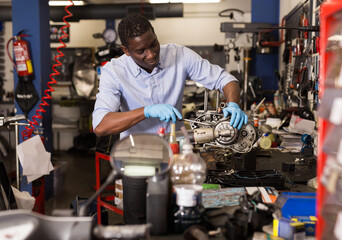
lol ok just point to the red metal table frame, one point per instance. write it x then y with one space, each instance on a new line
101 201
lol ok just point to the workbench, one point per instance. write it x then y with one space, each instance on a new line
303 168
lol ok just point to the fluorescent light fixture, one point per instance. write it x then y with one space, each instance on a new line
185 1
65 3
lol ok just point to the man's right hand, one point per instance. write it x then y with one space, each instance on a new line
164 112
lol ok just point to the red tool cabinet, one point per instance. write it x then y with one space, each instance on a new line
101 200
330 21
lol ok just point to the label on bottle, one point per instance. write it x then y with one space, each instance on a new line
187 194
174 147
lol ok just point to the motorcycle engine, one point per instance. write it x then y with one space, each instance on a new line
240 141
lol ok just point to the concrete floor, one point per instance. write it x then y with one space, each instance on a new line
75 177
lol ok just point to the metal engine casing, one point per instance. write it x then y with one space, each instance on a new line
240 141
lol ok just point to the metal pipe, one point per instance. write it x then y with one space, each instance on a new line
217 100
82 211
246 60
252 90
106 11
197 122
16 127
206 96
16 132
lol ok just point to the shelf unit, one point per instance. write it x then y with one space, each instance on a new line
330 22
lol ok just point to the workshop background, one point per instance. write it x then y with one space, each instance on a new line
199 26
267 37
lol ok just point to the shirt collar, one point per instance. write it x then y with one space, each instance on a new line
136 70
161 64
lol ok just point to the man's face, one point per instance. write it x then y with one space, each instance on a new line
144 50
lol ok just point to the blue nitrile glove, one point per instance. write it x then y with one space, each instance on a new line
238 116
164 112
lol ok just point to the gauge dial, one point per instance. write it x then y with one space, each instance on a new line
109 35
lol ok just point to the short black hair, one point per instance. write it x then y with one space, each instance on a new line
131 26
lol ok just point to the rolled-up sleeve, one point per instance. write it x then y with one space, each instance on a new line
108 97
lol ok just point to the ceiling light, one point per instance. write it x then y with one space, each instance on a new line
65 3
184 1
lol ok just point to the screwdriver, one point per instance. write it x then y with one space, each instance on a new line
194 121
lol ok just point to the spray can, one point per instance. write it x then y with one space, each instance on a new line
172 140
256 120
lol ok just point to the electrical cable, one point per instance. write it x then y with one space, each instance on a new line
221 14
29 129
10 165
258 177
8 53
261 178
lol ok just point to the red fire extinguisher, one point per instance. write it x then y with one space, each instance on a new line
23 62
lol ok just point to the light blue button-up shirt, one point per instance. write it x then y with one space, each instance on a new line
125 86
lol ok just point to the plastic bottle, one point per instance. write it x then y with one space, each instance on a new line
189 211
262 107
277 104
271 108
188 173
161 132
256 120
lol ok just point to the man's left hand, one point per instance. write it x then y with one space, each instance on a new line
238 117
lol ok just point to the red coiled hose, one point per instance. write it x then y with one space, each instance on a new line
27 133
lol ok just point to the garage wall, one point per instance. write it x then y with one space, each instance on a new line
199 26
285 7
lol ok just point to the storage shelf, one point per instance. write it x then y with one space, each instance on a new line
328 22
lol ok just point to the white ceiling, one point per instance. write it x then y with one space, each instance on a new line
8 2
112 1
5 3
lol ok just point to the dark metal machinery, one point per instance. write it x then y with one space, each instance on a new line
212 130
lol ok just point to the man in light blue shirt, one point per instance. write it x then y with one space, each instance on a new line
142 90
